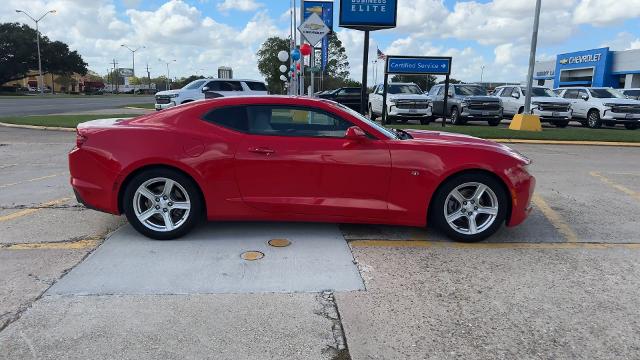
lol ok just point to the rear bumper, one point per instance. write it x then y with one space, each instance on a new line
93 182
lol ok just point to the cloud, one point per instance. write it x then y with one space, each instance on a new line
240 5
623 41
606 12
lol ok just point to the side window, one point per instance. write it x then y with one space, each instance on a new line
231 117
570 94
506 92
434 90
294 121
379 91
256 86
441 90
213 85
582 93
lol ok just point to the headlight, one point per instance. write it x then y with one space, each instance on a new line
609 104
392 101
464 103
174 95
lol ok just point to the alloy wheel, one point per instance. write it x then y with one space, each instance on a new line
471 208
161 204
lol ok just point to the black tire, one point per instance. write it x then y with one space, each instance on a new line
610 123
561 123
195 198
521 110
631 126
425 121
403 120
593 119
494 122
372 116
455 117
437 210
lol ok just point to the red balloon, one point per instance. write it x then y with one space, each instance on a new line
298 66
305 49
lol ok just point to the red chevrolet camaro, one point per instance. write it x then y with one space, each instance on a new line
293 159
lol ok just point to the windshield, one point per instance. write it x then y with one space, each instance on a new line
606 93
404 89
469 90
194 84
542 92
388 133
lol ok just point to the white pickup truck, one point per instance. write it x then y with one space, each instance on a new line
600 105
544 103
405 101
196 90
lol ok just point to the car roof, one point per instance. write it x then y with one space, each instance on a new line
219 79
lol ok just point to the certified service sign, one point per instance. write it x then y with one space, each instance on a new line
368 14
418 65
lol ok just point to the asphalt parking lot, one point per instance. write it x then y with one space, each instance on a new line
51 104
563 285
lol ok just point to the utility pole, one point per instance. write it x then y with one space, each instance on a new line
481 73
532 58
167 63
115 77
40 79
148 78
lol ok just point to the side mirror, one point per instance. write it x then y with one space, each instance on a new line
205 89
584 97
515 95
355 133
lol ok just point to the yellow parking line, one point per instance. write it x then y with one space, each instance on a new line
613 184
7 165
30 180
29 211
485 245
555 219
69 245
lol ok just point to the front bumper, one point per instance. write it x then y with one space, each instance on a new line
394 111
165 106
481 114
553 115
620 117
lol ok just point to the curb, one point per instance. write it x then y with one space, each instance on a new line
567 142
137 108
34 127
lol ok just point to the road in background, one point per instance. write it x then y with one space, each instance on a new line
33 105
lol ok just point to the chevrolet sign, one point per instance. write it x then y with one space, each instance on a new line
581 59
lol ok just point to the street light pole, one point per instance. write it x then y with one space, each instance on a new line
167 63
133 56
532 58
481 73
40 79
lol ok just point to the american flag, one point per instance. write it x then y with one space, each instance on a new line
381 55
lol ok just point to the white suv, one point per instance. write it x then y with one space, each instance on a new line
544 103
596 106
196 90
404 101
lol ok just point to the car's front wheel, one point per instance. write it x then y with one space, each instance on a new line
631 126
162 204
593 119
455 117
470 207
372 116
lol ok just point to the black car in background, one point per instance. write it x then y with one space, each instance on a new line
347 96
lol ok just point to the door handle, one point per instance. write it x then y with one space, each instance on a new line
261 150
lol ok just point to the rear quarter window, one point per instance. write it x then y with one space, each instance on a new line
256 86
230 117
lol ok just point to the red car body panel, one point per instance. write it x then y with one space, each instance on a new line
256 177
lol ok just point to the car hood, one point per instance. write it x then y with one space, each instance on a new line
465 141
552 100
407 97
481 98
168 92
619 101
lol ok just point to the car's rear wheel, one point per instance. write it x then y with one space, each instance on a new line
372 116
162 204
593 119
425 120
470 207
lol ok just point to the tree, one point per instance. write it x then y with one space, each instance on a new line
424 81
452 81
180 83
269 64
18 54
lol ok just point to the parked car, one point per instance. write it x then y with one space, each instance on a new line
633 93
466 102
347 96
405 101
195 91
286 158
545 103
600 105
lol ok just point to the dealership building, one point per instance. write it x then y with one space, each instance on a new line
595 67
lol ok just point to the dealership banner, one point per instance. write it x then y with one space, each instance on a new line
368 14
324 9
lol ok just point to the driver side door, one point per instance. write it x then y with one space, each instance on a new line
296 160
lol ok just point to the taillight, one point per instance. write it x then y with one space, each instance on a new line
80 139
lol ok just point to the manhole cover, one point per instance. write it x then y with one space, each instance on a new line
279 242
252 255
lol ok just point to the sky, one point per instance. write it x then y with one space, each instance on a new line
201 35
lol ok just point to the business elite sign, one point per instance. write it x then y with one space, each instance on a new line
368 14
